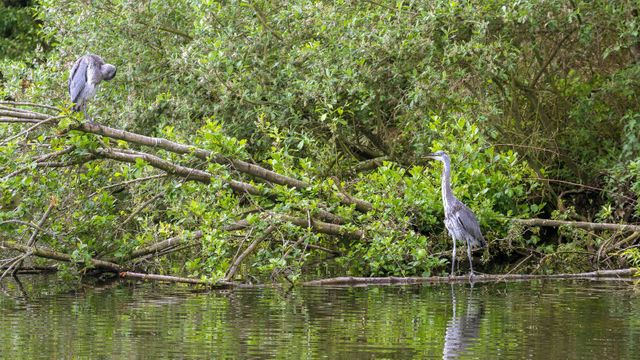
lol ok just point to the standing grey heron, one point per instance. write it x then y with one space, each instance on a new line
459 220
86 74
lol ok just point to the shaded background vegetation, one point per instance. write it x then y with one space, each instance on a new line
535 101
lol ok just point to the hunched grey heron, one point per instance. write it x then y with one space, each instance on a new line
459 220
86 74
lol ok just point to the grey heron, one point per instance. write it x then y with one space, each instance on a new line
86 74
459 220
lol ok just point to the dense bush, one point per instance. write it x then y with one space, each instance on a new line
514 91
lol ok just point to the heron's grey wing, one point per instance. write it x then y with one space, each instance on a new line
469 223
78 78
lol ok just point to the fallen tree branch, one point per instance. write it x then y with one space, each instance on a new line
57 164
322 227
178 148
578 224
15 120
160 246
24 115
18 261
174 279
174 169
128 182
53 255
18 103
30 129
318 226
350 281
34 269
239 165
64 151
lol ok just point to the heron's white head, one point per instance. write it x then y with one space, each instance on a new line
108 71
439 155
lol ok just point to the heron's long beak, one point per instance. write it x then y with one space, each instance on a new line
433 156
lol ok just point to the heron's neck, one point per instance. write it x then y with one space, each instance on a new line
447 194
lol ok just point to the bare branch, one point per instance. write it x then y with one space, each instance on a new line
24 115
24 132
128 182
140 208
176 170
45 216
175 279
350 281
17 103
578 224
54 154
53 255
234 267
17 120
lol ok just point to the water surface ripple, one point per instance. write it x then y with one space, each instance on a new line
523 320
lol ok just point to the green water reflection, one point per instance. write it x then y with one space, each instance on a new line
527 320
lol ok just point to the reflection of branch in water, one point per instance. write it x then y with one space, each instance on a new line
463 330
25 295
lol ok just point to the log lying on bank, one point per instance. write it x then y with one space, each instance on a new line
110 266
54 255
175 279
578 224
355 281
34 269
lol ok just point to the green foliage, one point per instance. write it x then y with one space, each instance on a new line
633 256
19 33
513 91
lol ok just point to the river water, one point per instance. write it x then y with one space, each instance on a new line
127 320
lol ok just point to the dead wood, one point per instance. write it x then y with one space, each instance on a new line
578 224
239 165
175 279
53 255
34 269
162 245
234 267
351 281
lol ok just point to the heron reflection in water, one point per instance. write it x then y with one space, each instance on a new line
463 330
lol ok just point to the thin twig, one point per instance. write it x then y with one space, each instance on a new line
140 208
234 267
129 182
32 240
17 103
27 131
583 186
64 151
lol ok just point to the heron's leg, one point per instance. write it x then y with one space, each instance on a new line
469 255
84 110
453 258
